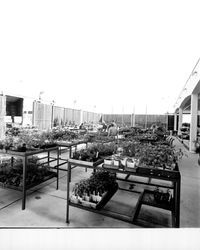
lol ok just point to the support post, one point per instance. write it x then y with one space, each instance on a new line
193 123
180 118
175 121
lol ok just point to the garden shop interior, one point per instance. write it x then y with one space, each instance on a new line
65 167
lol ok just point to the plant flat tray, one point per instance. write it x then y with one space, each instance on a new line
111 166
148 199
159 172
105 198
103 141
134 170
147 140
70 143
19 188
86 163
28 153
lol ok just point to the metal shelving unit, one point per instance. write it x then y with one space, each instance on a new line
24 156
173 177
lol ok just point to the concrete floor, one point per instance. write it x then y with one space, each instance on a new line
46 206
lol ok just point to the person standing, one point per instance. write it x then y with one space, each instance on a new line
112 131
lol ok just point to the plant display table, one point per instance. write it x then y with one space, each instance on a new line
25 156
70 145
173 178
92 155
148 198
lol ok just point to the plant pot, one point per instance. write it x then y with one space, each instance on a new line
131 166
87 198
123 162
108 161
74 199
102 200
116 163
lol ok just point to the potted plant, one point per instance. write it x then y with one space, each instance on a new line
95 191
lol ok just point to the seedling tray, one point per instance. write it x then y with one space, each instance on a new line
171 174
47 177
86 163
111 166
105 198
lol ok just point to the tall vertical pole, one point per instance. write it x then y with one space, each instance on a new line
52 114
133 121
112 112
193 123
146 117
33 114
73 114
175 121
180 118
122 115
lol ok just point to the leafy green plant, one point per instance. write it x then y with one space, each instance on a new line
99 182
12 175
95 151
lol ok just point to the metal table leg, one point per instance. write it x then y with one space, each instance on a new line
24 161
68 187
177 202
70 152
48 157
57 185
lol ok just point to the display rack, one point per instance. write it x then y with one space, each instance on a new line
69 146
174 179
24 156
73 145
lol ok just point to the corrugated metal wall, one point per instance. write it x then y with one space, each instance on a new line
42 115
118 118
140 120
68 115
72 115
58 115
90 117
